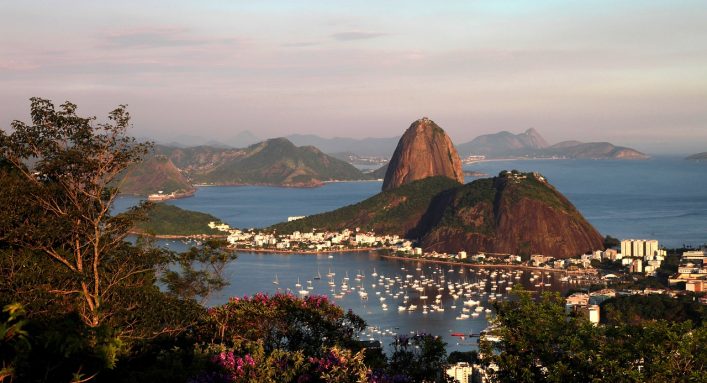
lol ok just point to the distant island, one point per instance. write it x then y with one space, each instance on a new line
530 144
699 157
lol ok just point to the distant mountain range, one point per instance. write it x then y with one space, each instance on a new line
274 162
498 145
698 157
531 144
379 147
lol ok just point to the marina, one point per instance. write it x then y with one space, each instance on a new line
393 296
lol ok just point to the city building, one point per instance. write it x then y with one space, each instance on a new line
461 372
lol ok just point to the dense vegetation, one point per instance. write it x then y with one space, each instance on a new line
637 309
79 303
394 211
540 343
165 219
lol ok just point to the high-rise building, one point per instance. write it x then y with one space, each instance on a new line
461 372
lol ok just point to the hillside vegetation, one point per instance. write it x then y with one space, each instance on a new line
396 211
164 219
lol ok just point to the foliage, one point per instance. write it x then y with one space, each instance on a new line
421 357
74 160
200 271
283 321
540 342
165 219
611 242
637 309
13 339
470 357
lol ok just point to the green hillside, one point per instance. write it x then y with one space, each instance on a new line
396 211
164 219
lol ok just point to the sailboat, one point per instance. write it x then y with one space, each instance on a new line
276 281
319 275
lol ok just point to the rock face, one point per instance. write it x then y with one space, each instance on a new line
423 151
514 213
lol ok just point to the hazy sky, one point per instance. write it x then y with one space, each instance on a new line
630 72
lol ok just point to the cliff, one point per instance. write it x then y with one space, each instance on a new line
423 151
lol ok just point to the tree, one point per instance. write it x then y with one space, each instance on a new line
421 357
70 165
539 341
200 270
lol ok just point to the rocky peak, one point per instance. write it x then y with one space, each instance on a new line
532 139
423 151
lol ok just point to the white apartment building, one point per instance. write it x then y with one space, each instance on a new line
461 372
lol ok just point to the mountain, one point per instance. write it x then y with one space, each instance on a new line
272 162
504 144
531 144
594 150
157 173
698 157
515 213
423 151
377 147
395 211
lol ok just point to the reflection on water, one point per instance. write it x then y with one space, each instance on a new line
393 296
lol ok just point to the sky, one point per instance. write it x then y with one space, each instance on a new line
630 72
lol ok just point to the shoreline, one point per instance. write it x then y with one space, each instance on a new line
306 252
480 265
175 236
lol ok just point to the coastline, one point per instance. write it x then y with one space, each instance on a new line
306 252
479 265
175 236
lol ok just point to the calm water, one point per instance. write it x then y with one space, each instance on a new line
663 198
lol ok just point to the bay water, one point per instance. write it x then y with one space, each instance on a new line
661 198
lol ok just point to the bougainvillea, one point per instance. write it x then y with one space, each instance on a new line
286 322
